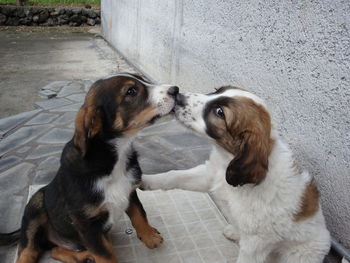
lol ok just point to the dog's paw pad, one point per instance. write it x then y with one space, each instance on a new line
151 237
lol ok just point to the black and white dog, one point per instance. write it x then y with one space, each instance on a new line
98 176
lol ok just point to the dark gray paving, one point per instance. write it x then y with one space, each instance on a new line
42 118
21 137
57 135
9 161
52 103
44 150
7 124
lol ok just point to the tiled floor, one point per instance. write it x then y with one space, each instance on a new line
189 222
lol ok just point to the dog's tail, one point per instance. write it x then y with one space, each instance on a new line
9 239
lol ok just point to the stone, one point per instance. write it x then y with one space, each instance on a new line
23 149
66 118
44 150
97 20
76 11
35 18
9 161
97 12
87 6
56 135
70 89
77 97
47 170
55 13
52 103
87 84
43 15
72 107
61 11
51 162
19 12
83 19
44 176
42 118
2 19
90 22
16 179
12 21
21 137
62 20
46 93
56 86
91 13
25 21
8 10
11 207
69 12
9 123
50 22
76 20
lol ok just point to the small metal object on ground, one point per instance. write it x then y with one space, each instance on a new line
128 231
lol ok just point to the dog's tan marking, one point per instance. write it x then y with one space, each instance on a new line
93 211
68 256
88 122
245 132
309 203
118 122
28 255
146 233
140 121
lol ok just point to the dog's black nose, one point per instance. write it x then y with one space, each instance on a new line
180 100
173 91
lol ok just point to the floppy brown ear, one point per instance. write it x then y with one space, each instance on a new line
88 124
249 166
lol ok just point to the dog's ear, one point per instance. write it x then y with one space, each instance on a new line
249 166
88 124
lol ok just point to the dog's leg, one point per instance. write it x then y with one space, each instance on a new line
254 249
33 230
28 255
194 179
68 256
146 233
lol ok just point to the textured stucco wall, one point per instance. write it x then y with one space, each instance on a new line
294 54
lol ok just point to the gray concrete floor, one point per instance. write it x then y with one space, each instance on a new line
31 57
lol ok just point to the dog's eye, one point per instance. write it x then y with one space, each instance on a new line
131 91
219 112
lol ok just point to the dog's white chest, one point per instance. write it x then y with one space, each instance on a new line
116 188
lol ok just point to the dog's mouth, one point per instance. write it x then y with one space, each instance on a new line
156 117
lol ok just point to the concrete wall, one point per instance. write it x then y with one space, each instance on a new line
294 54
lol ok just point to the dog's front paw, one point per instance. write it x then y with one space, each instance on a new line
150 237
230 233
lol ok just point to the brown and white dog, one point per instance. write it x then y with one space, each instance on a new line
273 207
98 176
